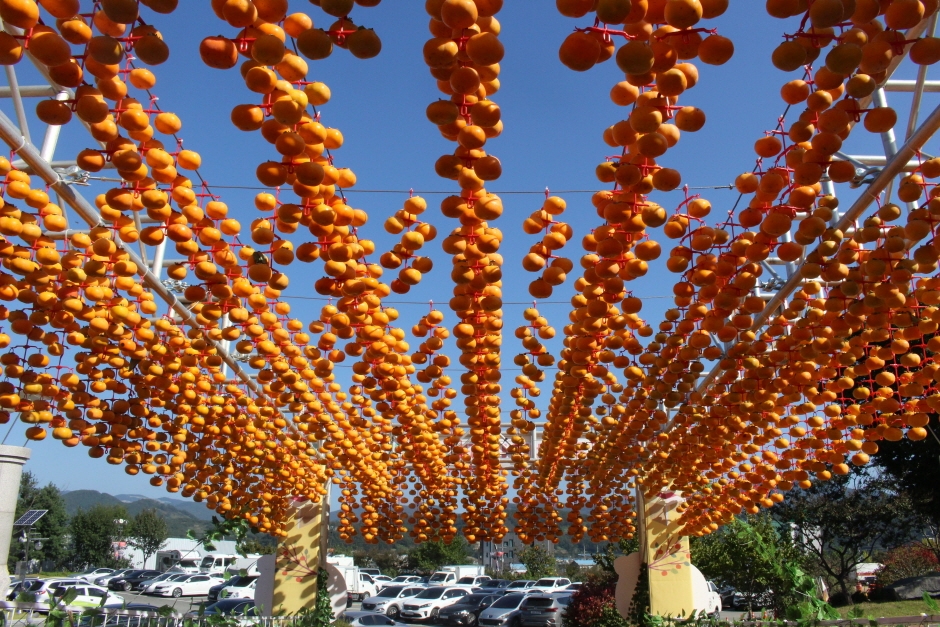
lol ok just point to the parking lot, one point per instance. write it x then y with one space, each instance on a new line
187 604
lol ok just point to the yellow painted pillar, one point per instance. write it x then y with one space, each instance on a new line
299 558
667 556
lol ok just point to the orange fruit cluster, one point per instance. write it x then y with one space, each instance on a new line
414 235
556 235
798 394
846 363
463 55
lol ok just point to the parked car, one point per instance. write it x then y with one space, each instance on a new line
494 585
192 585
104 580
226 607
87 595
150 587
237 581
41 590
368 619
503 612
90 574
520 584
132 580
246 591
381 580
466 610
428 603
390 599
375 572
543 610
574 586
714 602
548 585
472 582
726 593
403 580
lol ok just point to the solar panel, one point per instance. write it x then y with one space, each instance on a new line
30 517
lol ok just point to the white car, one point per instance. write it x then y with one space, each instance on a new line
191 586
164 578
40 590
714 599
369 619
427 604
92 573
239 592
381 581
390 600
87 595
406 580
471 582
547 585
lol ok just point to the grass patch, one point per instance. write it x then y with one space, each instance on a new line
890 608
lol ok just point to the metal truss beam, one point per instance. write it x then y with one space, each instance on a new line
892 168
14 138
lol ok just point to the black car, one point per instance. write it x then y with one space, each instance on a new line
467 610
227 607
495 586
239 581
132 580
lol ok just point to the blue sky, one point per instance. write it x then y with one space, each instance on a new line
554 119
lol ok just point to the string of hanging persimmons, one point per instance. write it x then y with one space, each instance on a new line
90 360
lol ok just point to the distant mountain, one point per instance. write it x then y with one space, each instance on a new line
197 510
177 513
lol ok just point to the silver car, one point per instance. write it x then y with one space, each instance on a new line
543 610
390 599
504 612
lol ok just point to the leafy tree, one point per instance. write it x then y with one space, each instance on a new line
572 571
387 561
593 604
430 556
147 532
845 521
93 534
912 468
260 545
606 559
743 554
538 562
53 526
910 560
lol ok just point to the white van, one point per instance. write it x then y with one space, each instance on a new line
218 563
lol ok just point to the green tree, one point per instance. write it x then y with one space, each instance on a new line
430 556
605 560
845 521
147 532
257 544
538 562
53 526
93 534
912 468
745 554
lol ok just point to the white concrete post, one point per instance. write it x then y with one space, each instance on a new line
12 459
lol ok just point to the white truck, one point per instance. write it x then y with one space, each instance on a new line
218 563
359 585
179 561
449 575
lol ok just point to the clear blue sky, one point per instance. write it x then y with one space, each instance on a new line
553 117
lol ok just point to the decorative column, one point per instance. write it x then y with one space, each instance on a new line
12 459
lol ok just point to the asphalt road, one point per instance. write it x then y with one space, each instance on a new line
182 604
186 604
